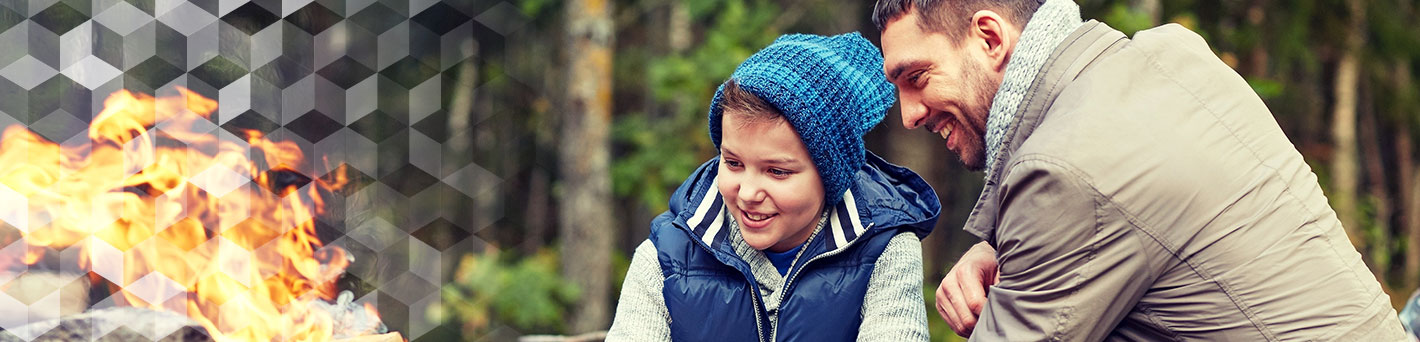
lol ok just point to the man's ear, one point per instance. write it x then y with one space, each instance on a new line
995 36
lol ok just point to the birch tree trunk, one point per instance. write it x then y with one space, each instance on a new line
584 213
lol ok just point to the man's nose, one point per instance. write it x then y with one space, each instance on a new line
914 113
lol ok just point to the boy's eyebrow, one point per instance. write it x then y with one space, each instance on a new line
903 66
781 160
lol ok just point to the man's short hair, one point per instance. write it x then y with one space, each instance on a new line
952 17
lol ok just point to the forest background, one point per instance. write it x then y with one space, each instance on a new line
591 112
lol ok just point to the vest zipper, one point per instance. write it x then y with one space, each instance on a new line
758 326
788 283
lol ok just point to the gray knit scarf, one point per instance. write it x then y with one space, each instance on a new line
1049 26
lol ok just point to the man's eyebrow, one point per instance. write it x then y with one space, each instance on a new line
900 67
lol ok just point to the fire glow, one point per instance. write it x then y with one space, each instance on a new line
177 219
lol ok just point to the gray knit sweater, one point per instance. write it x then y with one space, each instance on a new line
893 308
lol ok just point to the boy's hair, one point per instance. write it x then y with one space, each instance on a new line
746 105
952 17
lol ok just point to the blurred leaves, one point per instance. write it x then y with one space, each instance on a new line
500 288
1127 19
1265 88
660 147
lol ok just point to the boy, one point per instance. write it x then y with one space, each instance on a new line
795 232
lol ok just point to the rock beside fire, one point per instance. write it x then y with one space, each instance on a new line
41 296
113 324
349 319
351 323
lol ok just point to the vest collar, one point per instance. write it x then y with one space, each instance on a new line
710 221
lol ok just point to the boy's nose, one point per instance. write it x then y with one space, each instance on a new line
751 192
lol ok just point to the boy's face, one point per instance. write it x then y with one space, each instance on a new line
768 181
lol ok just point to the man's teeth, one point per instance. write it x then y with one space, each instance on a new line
946 131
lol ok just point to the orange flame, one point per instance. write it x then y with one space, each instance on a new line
161 208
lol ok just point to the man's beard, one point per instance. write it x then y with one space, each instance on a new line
973 149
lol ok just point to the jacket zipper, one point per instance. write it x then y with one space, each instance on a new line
758 327
788 283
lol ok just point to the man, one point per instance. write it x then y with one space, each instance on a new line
1136 189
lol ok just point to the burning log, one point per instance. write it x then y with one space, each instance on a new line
390 337
134 324
113 324
175 216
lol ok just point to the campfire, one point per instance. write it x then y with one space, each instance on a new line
169 215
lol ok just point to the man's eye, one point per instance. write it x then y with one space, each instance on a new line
916 76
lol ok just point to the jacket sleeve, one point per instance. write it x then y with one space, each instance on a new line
893 309
1065 273
641 313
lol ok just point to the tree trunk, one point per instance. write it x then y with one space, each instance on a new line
678 33
1378 188
1257 59
535 217
462 146
584 216
1153 8
1409 184
1344 162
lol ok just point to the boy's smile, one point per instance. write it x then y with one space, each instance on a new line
769 182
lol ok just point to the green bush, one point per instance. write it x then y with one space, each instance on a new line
496 288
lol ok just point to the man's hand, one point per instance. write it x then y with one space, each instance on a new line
962 294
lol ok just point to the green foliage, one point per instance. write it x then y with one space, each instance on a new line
620 264
1127 19
495 288
661 147
1265 88
1381 247
664 153
1292 45
536 8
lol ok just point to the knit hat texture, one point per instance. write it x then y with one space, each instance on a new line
830 89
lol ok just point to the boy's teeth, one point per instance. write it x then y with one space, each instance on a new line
757 217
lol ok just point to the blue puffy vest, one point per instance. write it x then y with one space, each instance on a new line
711 293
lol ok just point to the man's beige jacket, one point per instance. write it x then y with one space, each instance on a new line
1146 193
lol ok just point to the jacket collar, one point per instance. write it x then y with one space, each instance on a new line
1079 50
1054 21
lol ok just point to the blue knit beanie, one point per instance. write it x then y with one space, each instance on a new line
831 90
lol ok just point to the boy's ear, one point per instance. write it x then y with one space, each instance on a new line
993 36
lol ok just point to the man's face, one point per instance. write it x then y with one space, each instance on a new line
768 181
945 87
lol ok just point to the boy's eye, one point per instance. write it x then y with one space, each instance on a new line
780 172
732 163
